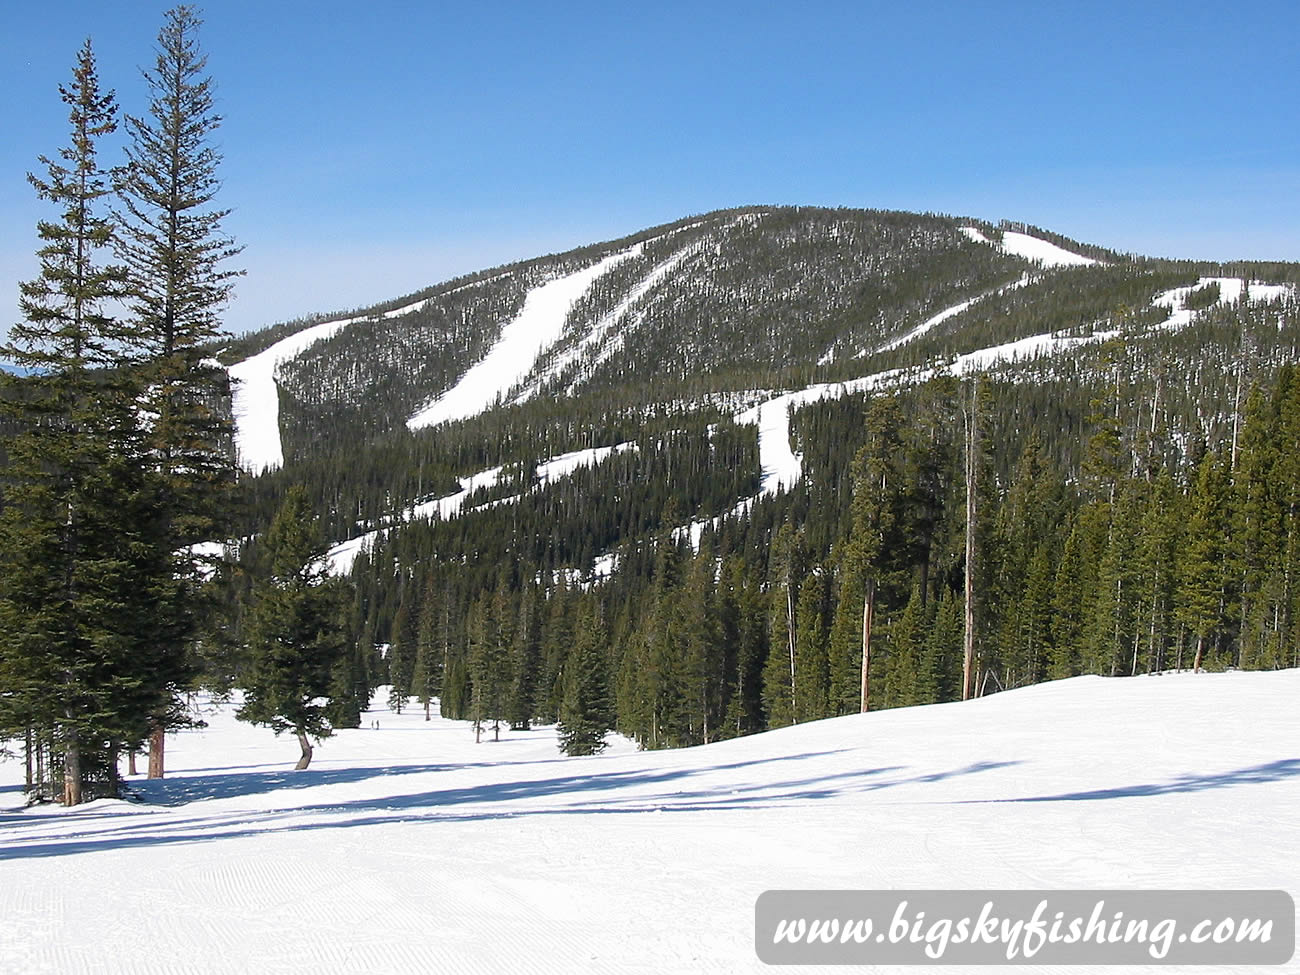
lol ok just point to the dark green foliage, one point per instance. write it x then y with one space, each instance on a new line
83 579
297 628
586 713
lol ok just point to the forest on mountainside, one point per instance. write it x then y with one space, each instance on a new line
1117 534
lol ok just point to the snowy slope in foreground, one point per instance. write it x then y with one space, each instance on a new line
411 849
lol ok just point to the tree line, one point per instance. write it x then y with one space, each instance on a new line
118 454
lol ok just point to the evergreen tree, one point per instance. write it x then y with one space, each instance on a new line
1201 575
169 237
586 715
812 664
77 575
296 633
526 661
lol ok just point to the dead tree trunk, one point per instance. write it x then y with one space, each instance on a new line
305 745
968 660
27 755
789 621
1200 653
157 741
130 764
868 617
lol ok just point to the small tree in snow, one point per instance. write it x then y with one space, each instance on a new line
296 632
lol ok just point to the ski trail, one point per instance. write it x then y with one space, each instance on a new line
601 329
537 327
782 466
1031 248
255 398
951 312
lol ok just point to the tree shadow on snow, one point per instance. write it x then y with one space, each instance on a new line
1272 772
444 805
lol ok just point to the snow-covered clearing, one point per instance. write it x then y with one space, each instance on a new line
1231 291
1030 248
408 848
342 556
537 327
255 402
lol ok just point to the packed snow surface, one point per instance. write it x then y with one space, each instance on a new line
537 327
407 848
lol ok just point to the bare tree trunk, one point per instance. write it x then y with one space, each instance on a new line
427 703
868 617
27 755
789 626
1236 417
72 773
305 745
130 764
157 741
968 661
1200 653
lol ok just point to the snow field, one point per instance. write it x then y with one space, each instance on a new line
409 848
1031 248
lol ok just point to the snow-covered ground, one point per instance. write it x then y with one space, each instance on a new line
408 848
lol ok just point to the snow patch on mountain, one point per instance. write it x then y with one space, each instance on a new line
1031 248
255 398
537 327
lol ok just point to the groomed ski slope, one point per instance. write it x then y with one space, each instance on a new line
255 400
537 327
411 849
341 556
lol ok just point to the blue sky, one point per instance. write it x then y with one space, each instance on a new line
374 149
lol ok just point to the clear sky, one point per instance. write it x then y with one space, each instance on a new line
372 149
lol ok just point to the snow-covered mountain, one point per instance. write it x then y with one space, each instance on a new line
739 316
